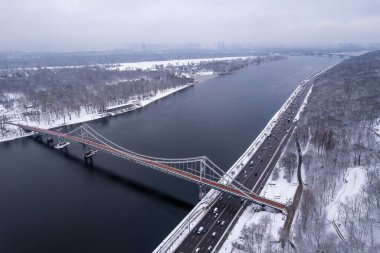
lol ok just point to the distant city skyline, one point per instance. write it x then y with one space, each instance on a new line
112 24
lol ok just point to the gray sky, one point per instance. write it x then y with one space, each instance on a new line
85 24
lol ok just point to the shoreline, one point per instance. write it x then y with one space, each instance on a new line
16 133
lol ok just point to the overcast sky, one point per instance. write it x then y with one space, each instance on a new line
84 24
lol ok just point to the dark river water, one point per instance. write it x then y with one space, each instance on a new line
51 201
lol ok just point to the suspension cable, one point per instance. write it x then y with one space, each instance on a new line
171 161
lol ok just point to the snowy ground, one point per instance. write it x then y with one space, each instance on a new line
148 64
279 190
303 105
376 129
249 217
152 64
354 181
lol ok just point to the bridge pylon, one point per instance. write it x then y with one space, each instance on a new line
202 173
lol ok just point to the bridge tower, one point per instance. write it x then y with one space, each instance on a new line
202 172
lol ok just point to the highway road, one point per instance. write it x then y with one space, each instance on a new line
254 176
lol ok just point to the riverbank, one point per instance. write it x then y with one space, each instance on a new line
12 132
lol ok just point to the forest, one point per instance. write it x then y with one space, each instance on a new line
339 124
337 131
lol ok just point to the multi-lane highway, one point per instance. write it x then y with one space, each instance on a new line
254 176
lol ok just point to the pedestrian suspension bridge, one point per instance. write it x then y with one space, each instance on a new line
199 170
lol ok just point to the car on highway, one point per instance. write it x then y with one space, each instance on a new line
213 235
200 230
209 248
216 215
222 223
197 250
215 210
251 163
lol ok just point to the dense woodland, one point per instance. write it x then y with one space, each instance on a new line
336 131
64 92
339 124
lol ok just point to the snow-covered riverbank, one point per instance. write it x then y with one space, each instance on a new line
13 132
178 62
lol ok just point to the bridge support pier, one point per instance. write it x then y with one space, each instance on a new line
84 148
49 140
200 192
202 174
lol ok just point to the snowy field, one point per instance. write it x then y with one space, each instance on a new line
250 217
354 181
152 64
149 64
